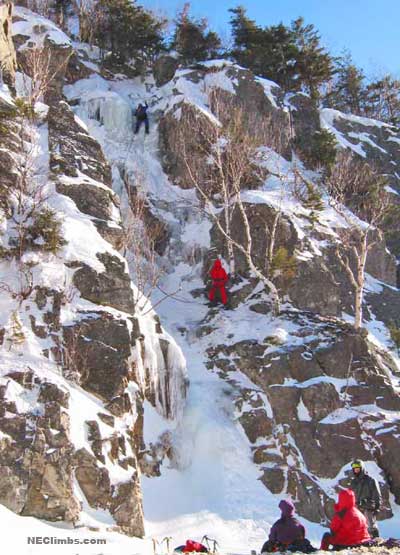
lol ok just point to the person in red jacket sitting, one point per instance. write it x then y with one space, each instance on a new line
219 279
349 526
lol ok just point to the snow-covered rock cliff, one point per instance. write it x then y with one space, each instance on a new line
95 403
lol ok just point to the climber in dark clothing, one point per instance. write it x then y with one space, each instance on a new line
142 117
287 534
368 495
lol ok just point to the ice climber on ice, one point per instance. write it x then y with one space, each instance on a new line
219 279
349 526
287 533
142 117
368 495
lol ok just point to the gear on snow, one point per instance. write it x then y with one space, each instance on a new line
191 546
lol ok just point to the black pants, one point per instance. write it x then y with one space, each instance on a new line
139 125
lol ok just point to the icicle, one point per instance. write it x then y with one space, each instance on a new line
161 370
111 111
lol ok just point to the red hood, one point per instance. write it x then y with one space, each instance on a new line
217 265
347 500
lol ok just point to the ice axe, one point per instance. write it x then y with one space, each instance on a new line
214 542
167 541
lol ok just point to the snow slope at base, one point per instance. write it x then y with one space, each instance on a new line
215 489
16 530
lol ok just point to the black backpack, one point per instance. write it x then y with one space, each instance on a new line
141 112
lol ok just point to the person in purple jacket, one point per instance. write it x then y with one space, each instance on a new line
287 532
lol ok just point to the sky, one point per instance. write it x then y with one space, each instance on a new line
369 29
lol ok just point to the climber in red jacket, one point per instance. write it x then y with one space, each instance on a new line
219 279
349 526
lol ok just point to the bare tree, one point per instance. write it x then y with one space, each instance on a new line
227 164
360 187
42 7
33 225
140 245
90 19
40 69
271 229
29 195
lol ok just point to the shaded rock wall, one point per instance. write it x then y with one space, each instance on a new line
328 401
177 124
8 60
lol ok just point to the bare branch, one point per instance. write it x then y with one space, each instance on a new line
39 69
230 150
355 184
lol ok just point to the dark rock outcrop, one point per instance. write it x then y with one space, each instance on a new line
111 287
81 171
323 397
103 347
249 96
73 150
164 69
8 60
39 47
41 484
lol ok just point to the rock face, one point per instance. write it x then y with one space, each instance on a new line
378 141
9 148
74 151
41 434
103 346
79 166
315 418
246 92
111 287
380 144
164 69
40 43
41 484
318 282
321 393
8 60
331 291
72 422
317 393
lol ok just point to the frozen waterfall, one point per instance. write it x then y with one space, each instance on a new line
110 110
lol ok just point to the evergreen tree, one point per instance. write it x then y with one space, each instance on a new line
314 64
245 32
192 40
318 150
128 31
291 56
280 57
284 264
269 52
348 91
